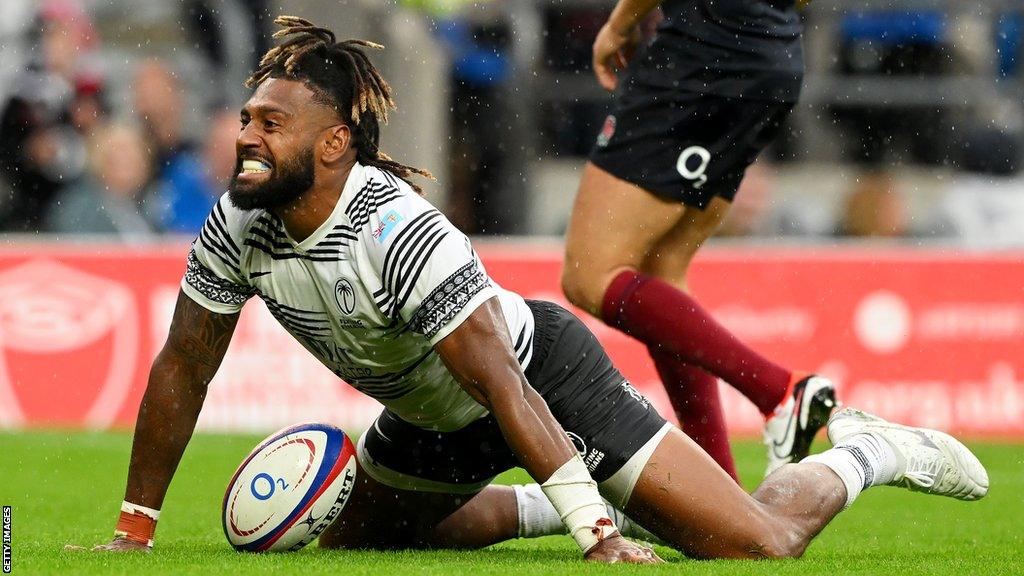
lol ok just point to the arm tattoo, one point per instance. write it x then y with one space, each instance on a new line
199 334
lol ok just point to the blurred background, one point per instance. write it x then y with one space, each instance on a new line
880 240
910 125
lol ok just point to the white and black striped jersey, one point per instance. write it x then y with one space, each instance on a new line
368 293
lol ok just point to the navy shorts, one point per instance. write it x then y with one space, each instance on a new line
683 146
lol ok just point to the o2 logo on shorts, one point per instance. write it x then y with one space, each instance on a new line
692 163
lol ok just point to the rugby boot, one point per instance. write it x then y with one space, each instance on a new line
791 428
928 461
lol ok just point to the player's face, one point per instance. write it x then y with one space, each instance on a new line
276 148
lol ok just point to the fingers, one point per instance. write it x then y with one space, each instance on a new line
606 76
74 548
608 56
617 549
119 545
640 555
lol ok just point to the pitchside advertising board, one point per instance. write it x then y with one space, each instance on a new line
929 338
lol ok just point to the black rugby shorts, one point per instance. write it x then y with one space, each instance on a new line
605 417
683 146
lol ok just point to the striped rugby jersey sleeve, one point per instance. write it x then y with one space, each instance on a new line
213 276
430 277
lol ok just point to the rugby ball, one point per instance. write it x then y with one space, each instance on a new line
289 489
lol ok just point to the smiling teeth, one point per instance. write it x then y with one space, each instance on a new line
254 166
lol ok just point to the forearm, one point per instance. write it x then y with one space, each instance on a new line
195 346
629 13
167 417
479 354
532 432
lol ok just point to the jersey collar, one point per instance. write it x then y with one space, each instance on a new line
352 185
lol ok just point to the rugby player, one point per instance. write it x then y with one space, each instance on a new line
330 234
694 109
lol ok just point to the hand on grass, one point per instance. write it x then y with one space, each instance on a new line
617 549
118 544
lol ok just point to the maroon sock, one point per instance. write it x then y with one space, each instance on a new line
667 319
698 405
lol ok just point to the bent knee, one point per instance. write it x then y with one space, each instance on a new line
583 289
777 551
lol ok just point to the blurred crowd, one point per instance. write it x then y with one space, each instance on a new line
140 154
70 164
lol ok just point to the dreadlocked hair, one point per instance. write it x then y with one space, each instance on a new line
340 76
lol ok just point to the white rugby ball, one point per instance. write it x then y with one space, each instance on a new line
289 488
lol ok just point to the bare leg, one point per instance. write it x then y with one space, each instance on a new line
688 501
490 517
638 232
379 517
693 392
628 221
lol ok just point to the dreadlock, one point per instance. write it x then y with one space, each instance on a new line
340 76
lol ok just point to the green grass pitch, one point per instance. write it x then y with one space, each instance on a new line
66 488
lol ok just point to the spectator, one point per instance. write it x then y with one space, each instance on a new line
484 139
107 200
179 201
874 209
219 154
54 102
895 44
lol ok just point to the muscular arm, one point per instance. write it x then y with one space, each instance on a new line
629 13
479 354
170 407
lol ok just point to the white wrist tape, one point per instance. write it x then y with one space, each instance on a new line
130 508
574 495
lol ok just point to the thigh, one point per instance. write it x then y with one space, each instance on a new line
671 257
384 518
614 225
606 418
410 479
406 457
685 498
734 133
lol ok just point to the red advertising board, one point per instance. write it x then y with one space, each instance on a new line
925 337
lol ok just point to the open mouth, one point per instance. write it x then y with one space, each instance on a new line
254 167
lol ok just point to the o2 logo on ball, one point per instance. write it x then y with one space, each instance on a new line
289 488
263 486
692 163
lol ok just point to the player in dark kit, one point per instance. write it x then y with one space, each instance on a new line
474 379
693 110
